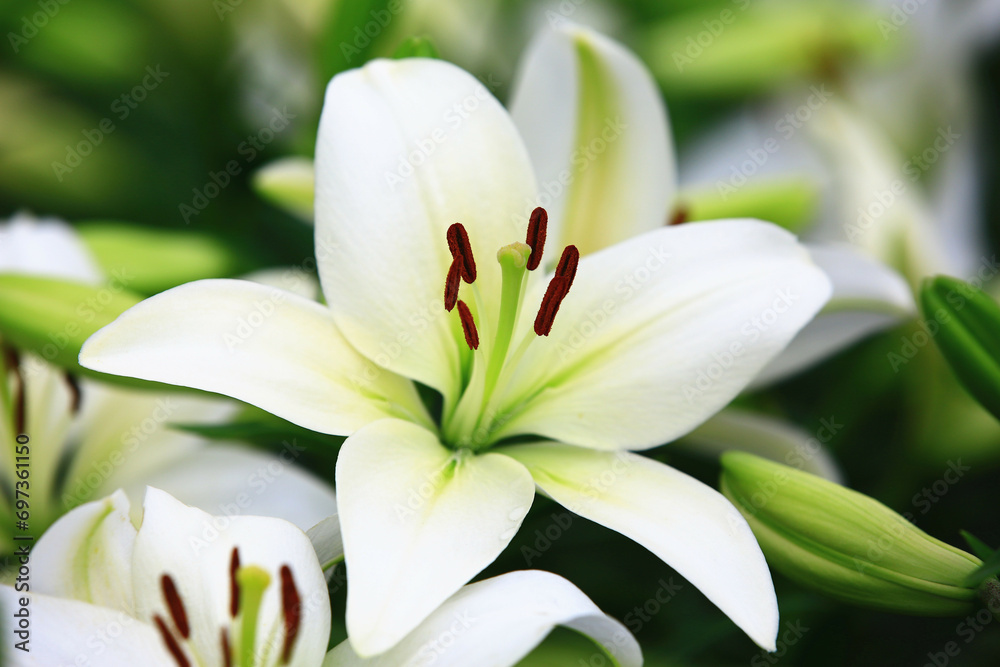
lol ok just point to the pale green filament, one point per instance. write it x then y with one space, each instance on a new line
253 581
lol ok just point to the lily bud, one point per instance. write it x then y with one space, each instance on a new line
53 317
846 544
289 184
149 261
789 202
968 335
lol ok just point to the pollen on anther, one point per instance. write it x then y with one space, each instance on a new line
451 285
227 650
234 587
537 227
291 606
461 252
175 605
679 217
557 290
468 326
172 646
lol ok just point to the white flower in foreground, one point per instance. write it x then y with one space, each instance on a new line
189 589
89 438
422 179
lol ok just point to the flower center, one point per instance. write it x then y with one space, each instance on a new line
238 638
474 418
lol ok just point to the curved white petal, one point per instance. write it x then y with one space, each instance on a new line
328 541
661 331
764 436
689 525
406 148
230 479
496 622
70 632
45 247
195 548
418 522
87 555
121 436
868 296
597 131
262 345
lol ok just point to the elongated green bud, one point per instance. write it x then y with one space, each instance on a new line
846 544
968 335
290 184
53 317
149 261
790 202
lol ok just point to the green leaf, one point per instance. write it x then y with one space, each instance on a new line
148 261
352 32
417 47
990 557
978 546
965 324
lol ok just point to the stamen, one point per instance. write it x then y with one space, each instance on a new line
451 285
557 290
291 605
13 361
175 605
172 646
537 227
74 389
234 588
680 216
227 650
468 326
461 251
253 582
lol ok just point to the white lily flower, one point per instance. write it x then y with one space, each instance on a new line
185 589
420 173
89 438
189 588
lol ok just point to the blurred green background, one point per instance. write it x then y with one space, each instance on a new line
130 111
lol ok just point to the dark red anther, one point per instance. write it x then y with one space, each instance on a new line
451 285
172 646
557 290
680 216
13 363
74 390
461 251
175 605
227 650
537 227
234 587
291 606
468 326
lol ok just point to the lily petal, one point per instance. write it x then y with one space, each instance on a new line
45 247
597 131
418 522
195 550
661 331
221 479
868 296
70 632
406 148
328 541
689 525
262 345
87 555
496 622
764 436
